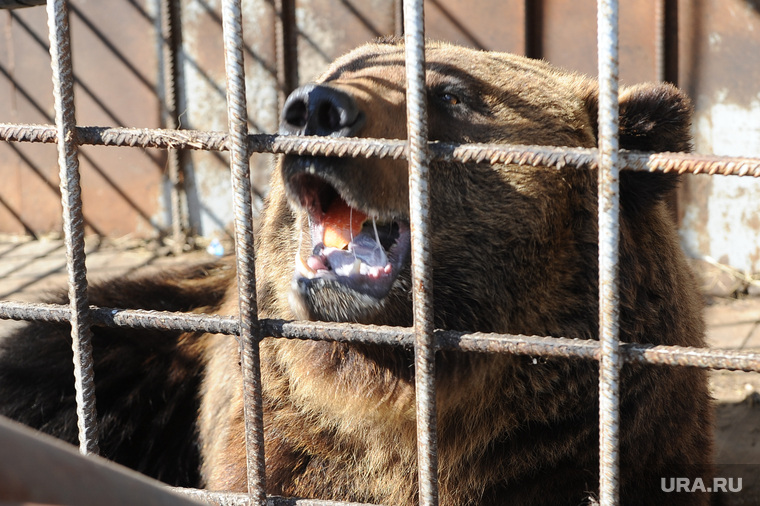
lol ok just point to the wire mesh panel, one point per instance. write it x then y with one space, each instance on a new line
423 337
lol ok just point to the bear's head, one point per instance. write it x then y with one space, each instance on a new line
514 247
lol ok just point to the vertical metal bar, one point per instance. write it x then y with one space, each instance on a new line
285 49
11 55
250 332
666 41
659 40
73 223
534 28
666 62
398 18
169 27
422 279
609 367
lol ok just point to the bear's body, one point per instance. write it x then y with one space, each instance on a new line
514 251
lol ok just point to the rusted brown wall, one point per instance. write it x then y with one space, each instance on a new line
115 64
118 65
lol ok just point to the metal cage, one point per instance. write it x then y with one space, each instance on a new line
608 159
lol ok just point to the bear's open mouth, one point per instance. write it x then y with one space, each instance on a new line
348 247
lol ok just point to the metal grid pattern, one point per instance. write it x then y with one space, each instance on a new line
422 337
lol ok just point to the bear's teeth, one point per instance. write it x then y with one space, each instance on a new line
376 271
303 269
315 263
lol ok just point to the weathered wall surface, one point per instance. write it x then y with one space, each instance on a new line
721 71
116 64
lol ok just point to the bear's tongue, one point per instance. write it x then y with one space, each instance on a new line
341 224
346 249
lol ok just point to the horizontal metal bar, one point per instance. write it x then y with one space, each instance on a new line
390 148
140 319
240 499
588 349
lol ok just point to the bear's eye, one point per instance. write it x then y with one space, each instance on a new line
448 98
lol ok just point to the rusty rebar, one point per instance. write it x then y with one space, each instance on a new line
73 223
238 499
422 278
250 336
559 347
170 22
666 41
537 156
286 47
608 214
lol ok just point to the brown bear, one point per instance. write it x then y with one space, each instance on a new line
514 251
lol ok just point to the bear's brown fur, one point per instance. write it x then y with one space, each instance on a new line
514 251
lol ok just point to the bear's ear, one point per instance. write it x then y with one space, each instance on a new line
653 117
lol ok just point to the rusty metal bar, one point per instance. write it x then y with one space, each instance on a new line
170 22
705 358
286 47
534 28
398 18
237 499
580 158
73 223
659 39
666 41
250 332
422 277
608 216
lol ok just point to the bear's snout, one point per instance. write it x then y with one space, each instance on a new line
316 109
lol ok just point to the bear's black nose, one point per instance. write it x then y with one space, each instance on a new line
317 109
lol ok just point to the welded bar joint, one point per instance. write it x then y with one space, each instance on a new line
73 223
250 335
422 284
608 215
